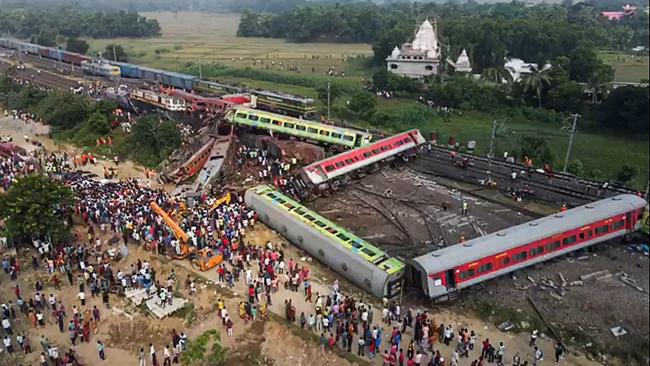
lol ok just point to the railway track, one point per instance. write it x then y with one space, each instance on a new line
577 183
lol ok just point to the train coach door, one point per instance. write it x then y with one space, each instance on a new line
357 140
451 280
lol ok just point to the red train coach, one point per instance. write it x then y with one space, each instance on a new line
352 160
445 271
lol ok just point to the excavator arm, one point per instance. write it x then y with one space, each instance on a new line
179 233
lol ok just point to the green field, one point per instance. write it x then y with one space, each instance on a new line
207 38
210 39
629 68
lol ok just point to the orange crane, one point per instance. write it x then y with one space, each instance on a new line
202 259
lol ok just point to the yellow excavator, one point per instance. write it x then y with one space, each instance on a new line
225 200
202 259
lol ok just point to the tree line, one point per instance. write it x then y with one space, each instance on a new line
489 32
68 22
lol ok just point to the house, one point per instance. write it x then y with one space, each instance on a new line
518 68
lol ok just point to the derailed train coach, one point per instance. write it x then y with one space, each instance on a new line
442 273
352 257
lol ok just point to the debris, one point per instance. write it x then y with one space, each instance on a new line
593 274
564 281
531 279
576 283
618 331
506 326
582 258
556 296
603 277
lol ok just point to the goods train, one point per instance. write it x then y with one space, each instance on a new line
352 257
441 273
99 68
267 100
308 130
354 160
162 101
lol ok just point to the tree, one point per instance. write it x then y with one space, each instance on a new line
536 148
566 96
115 52
335 93
363 103
153 139
626 108
47 39
99 124
36 207
535 82
77 45
626 173
198 353
576 168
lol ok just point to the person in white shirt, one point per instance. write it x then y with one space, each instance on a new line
6 325
8 346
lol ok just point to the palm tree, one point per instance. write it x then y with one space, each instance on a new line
535 82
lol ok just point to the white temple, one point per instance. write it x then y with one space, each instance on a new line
419 58
462 64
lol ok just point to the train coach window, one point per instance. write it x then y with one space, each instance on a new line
505 261
536 251
618 225
399 143
340 164
299 211
602 230
309 217
356 244
553 246
280 200
368 252
289 206
407 140
349 161
367 154
485 268
569 240
376 151
385 148
467 274
320 224
289 125
330 168
336 135
271 195
241 115
348 138
277 123
343 237
253 117
301 128
520 256
332 230
312 130
265 120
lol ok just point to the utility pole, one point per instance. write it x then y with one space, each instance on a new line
329 99
200 71
491 154
114 54
573 132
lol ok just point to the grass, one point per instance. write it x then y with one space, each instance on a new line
216 41
631 68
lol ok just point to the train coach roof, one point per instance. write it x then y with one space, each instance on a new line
515 236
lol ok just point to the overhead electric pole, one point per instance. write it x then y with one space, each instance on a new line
573 132
329 99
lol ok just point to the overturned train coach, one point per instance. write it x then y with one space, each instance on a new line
352 257
443 272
